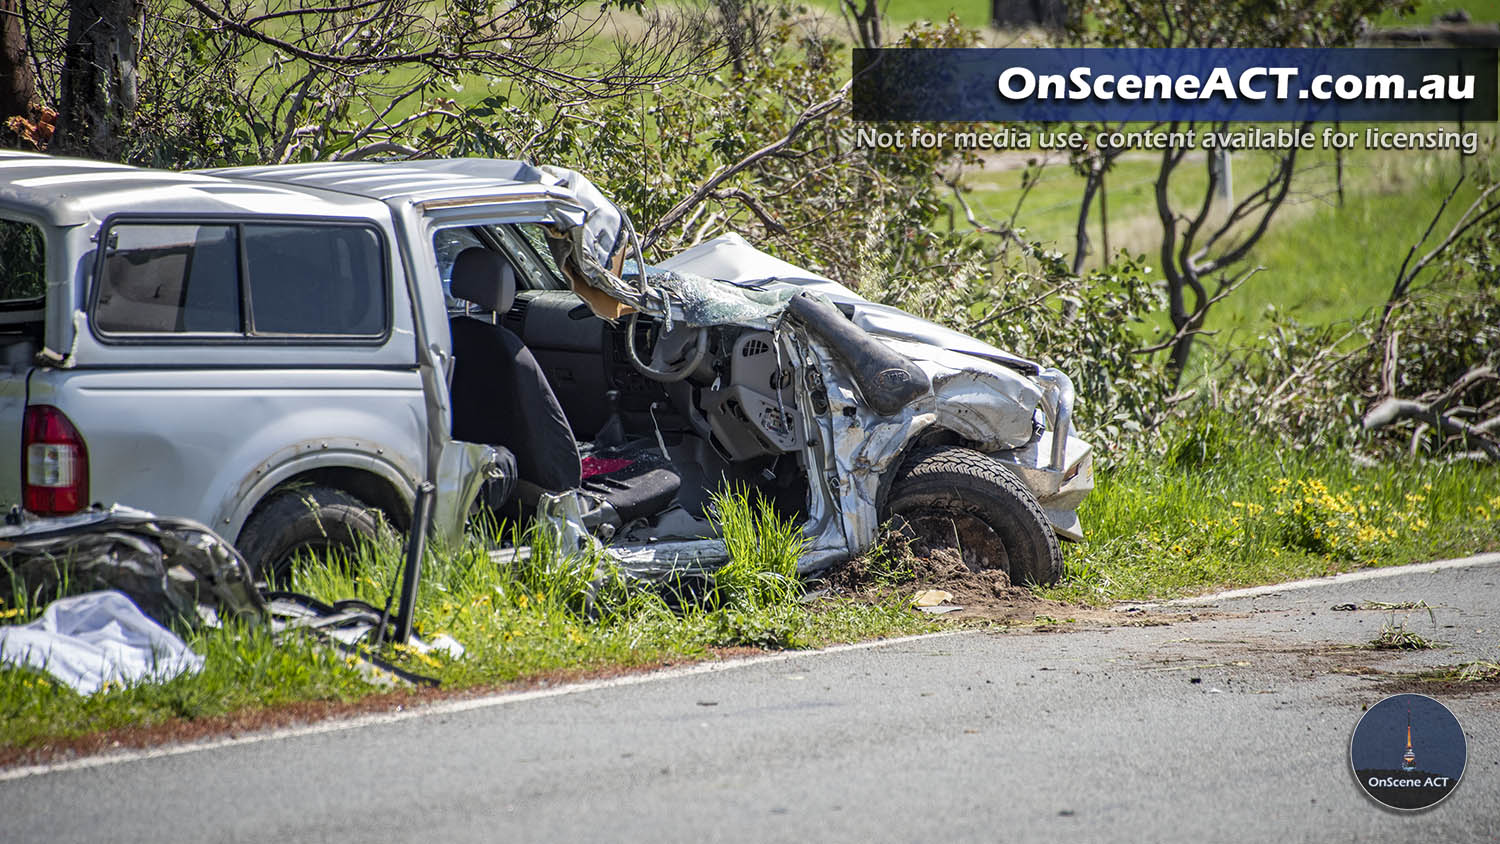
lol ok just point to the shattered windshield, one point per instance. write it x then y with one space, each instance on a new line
705 301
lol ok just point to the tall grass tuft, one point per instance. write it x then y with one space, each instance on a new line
763 552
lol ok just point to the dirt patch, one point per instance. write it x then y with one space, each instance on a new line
904 567
1464 680
1392 684
1260 665
985 594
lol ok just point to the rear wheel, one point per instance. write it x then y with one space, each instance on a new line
957 497
313 520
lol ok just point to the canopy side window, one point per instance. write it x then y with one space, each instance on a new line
169 278
23 262
243 280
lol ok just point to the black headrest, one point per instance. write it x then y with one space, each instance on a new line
485 278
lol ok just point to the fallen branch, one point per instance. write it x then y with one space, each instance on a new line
378 148
1433 411
755 207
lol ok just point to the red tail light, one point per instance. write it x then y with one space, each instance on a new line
54 463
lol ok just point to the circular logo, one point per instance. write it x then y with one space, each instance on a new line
1408 752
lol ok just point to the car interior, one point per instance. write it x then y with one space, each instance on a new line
538 373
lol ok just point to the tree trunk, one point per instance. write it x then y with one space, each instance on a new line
1081 236
17 79
1044 13
1182 348
866 21
731 16
98 78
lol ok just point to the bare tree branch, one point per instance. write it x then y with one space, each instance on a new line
724 173
1472 216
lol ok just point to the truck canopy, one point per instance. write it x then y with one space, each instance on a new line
65 192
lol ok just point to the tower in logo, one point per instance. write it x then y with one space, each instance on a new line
1409 758
1391 775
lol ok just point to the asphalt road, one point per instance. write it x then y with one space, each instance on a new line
1070 736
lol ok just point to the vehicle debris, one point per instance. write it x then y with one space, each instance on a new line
178 572
174 570
931 597
1382 605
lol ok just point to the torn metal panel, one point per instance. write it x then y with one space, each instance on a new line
979 400
174 569
729 257
660 559
603 227
855 447
462 470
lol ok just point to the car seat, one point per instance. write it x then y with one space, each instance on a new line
501 396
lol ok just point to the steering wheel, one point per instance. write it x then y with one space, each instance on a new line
672 361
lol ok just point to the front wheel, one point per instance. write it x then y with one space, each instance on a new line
957 497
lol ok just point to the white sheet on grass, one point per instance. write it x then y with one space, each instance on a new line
85 641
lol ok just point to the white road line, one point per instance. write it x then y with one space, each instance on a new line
1349 577
449 707
504 699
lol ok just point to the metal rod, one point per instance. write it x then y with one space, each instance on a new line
411 572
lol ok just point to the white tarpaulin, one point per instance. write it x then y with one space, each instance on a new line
85 641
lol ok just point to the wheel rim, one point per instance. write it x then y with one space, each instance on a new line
977 544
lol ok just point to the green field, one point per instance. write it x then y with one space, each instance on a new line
1230 508
1324 262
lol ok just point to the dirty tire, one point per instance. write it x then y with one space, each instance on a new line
312 519
961 487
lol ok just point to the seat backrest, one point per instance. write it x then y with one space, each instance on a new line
484 277
499 393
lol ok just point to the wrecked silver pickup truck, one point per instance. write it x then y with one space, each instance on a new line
287 353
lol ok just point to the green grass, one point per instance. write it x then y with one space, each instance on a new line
900 14
1223 509
243 669
529 620
1228 509
1425 12
1397 637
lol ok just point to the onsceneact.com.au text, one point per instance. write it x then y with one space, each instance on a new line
1255 83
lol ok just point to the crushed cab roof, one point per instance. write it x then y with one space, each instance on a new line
71 191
